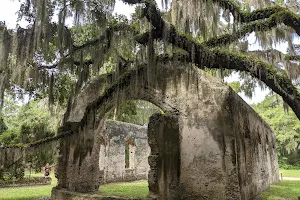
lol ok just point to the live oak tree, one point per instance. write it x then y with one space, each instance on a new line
286 128
211 34
27 123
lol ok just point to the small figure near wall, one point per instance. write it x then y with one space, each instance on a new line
47 170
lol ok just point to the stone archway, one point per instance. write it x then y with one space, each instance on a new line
124 152
218 134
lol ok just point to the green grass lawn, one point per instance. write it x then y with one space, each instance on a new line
286 190
136 189
290 173
28 193
36 174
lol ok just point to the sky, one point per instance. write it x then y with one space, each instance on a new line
9 9
8 13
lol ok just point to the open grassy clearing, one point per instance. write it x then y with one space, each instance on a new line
290 173
136 189
25 193
28 193
37 174
286 190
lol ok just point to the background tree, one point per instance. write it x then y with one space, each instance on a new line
135 112
3 126
212 34
286 127
28 123
51 58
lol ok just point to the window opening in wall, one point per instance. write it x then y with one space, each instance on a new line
124 150
126 155
102 161
129 153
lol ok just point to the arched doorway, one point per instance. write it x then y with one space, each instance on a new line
124 150
210 162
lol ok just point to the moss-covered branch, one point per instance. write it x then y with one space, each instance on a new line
276 16
286 17
292 57
205 57
278 82
243 16
106 36
235 9
274 53
133 1
39 142
64 61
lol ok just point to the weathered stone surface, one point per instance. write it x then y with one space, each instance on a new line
14 158
164 160
226 150
78 168
187 163
112 152
9 156
228 154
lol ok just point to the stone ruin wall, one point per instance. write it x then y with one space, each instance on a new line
231 155
234 160
13 157
10 156
215 145
116 135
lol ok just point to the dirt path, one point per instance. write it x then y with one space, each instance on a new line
291 178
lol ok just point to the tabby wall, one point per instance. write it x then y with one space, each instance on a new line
224 162
10 156
116 136
39 153
229 155
224 150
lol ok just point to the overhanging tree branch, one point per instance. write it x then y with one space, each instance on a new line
243 16
273 53
105 38
292 57
64 61
88 62
286 17
205 57
275 16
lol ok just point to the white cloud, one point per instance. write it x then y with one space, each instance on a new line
9 9
126 9
8 12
